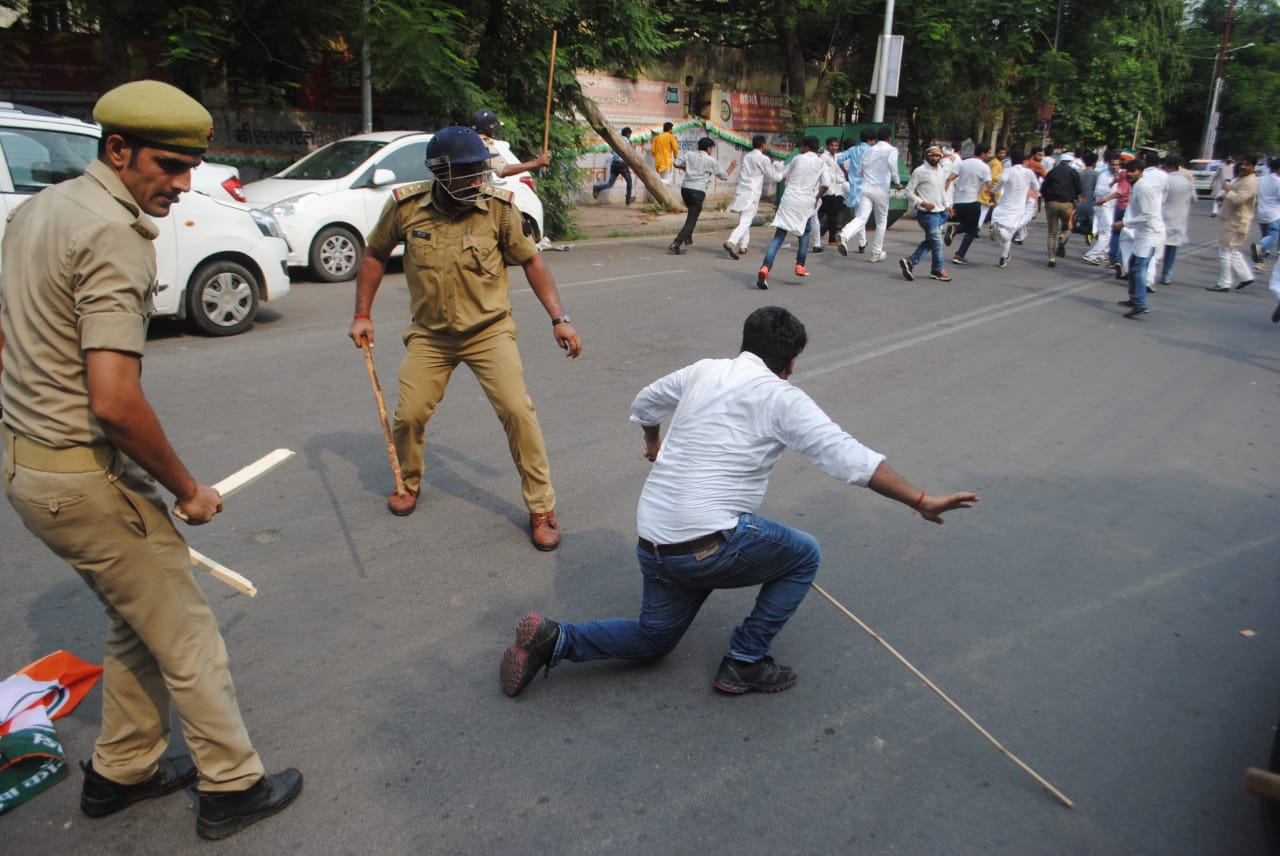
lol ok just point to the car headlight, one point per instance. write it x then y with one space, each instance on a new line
290 206
267 225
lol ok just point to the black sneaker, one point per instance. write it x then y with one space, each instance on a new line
906 266
730 249
1004 262
1135 312
817 249
1245 284
1275 314
536 639
675 249
764 676
1061 250
948 233
1256 252
841 247
99 796
226 813
1053 262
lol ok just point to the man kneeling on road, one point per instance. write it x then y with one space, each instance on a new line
731 419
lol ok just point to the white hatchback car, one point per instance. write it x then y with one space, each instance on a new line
328 202
215 258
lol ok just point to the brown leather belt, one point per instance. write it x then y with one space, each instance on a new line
73 459
707 544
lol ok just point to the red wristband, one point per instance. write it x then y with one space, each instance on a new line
361 315
916 508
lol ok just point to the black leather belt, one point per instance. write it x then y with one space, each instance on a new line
707 544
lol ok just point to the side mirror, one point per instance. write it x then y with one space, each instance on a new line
383 176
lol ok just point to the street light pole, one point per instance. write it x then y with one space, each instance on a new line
1219 68
882 73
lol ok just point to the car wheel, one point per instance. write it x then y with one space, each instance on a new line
335 253
222 298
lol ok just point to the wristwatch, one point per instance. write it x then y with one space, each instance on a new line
563 319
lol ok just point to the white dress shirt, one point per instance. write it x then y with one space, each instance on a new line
730 422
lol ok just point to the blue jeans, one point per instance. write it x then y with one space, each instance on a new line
1166 267
779 235
1113 251
931 222
1270 234
1139 269
616 169
781 560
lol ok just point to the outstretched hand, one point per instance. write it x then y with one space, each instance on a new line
932 508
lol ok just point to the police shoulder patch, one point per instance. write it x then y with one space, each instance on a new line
497 193
411 190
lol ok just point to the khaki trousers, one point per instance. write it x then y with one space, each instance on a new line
493 358
1059 216
163 644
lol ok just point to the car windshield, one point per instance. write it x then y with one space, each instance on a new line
38 159
334 160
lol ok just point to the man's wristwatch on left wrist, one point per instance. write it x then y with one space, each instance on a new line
563 319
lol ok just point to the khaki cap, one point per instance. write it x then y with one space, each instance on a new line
157 115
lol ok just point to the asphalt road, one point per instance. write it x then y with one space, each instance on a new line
1088 612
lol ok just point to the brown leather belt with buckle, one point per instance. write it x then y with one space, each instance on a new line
699 548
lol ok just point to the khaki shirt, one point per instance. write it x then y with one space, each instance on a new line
456 266
1236 212
78 274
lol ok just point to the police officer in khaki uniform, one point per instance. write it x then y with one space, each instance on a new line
459 237
83 452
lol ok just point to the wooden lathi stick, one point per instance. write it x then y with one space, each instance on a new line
551 74
222 572
931 685
382 414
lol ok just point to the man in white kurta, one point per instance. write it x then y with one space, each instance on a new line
806 175
1177 215
1017 187
756 167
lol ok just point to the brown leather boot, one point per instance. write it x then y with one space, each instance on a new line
545 529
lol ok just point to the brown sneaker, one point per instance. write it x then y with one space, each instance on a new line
545 530
402 504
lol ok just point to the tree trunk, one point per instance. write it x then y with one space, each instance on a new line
639 166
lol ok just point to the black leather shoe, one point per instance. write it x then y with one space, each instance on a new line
765 676
226 813
675 249
535 643
100 796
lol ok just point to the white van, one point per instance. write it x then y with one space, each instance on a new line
215 259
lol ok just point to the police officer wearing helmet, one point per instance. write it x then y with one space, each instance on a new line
459 237
486 124
85 457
